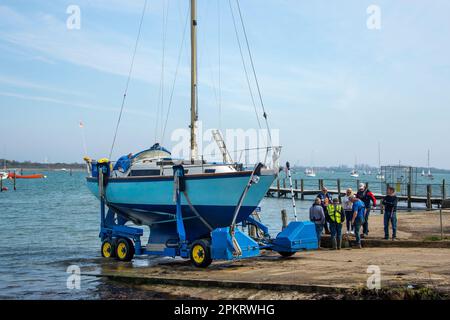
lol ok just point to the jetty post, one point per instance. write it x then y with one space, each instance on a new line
339 190
14 180
1 185
302 189
444 190
409 191
278 187
296 188
284 219
429 192
445 205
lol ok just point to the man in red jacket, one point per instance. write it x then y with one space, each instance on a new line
366 196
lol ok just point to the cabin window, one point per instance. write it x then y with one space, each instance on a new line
145 173
210 170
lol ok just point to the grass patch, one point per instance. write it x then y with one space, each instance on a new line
435 238
420 293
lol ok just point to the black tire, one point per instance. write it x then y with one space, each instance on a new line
124 249
200 253
286 254
108 249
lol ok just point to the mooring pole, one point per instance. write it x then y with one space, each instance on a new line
14 180
1 184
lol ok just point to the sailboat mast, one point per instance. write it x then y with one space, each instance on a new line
194 103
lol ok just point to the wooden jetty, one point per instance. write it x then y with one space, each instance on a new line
282 190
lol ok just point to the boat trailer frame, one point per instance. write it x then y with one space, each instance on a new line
228 243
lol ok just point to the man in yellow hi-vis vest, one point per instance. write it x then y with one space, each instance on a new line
335 217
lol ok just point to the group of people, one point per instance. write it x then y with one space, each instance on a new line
329 215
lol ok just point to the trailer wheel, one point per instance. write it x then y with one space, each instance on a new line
286 254
124 249
200 253
107 249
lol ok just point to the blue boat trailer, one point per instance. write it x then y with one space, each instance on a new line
228 243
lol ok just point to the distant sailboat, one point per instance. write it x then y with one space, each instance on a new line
380 175
310 172
429 175
354 173
3 174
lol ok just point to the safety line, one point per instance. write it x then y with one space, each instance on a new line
128 79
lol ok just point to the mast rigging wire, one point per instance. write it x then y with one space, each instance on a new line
254 72
243 64
175 77
220 62
160 105
129 78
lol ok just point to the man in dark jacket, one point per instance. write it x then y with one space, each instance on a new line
368 198
326 198
390 213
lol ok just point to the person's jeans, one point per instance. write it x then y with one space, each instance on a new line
366 222
336 230
358 222
319 231
390 217
348 218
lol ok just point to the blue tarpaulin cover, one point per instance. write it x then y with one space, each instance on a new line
123 164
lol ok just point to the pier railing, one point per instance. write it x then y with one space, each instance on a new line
428 194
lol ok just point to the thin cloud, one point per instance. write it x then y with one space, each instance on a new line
73 104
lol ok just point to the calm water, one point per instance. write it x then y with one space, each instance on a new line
49 224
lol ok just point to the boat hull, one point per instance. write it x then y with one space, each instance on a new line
149 201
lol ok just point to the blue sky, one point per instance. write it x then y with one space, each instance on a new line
329 83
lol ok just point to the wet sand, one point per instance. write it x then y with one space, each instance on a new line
307 275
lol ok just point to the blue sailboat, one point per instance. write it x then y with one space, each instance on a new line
181 201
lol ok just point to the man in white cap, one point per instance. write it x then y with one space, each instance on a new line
369 200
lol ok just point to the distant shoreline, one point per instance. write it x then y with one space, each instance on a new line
9 165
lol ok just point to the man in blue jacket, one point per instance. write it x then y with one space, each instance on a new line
359 210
